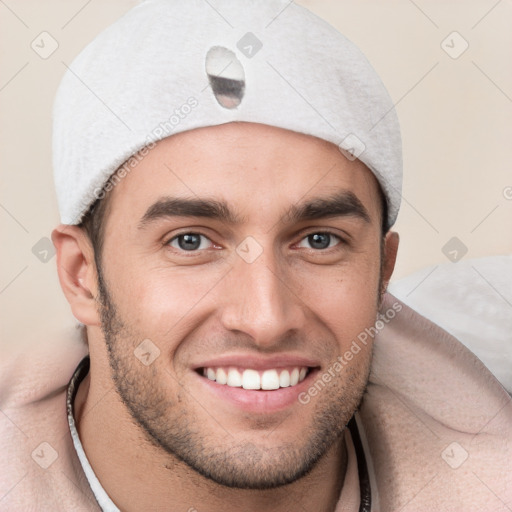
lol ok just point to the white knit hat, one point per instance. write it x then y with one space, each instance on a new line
173 65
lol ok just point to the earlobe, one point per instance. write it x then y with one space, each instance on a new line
77 272
391 243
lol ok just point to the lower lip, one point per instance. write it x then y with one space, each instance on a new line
259 401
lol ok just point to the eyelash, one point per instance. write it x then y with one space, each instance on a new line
195 251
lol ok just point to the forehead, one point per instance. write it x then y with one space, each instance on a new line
254 167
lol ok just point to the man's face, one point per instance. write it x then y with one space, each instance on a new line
257 295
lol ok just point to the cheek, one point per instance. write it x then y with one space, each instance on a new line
159 302
345 299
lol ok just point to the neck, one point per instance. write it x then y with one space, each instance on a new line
137 472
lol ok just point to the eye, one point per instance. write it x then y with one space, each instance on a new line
189 242
193 242
320 240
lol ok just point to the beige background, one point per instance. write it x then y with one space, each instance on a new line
455 116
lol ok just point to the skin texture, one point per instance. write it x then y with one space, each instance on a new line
168 437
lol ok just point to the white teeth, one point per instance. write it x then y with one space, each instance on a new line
253 379
221 376
270 380
234 378
284 379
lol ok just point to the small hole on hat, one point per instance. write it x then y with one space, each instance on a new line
226 76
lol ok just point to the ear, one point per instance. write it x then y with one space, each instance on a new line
77 272
391 242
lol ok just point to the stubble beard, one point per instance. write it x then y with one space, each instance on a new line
224 458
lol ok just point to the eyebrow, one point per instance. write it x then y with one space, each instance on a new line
342 204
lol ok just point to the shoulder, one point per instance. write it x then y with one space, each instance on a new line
439 424
38 468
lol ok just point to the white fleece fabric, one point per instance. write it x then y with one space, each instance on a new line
148 76
472 300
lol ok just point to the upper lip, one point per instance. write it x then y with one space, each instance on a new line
258 362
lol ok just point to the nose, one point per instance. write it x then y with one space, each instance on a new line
261 300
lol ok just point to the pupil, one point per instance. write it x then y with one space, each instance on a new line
319 240
189 241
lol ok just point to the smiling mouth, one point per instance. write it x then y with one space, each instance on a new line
248 378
